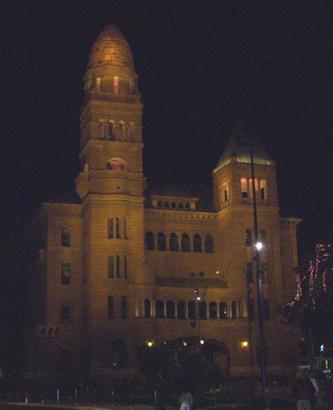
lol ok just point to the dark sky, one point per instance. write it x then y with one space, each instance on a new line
202 65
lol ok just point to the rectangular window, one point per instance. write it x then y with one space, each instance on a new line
65 237
244 188
65 313
110 229
159 305
65 273
110 307
116 84
124 307
111 267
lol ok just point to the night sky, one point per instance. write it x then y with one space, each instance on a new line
203 66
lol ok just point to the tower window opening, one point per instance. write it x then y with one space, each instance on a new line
256 186
263 189
225 193
131 132
117 223
266 310
65 313
116 84
125 266
244 188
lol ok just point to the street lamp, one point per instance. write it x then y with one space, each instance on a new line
258 247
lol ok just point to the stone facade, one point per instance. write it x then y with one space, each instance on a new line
119 264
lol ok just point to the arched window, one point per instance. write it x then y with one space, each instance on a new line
248 238
191 310
119 354
223 310
117 164
181 314
173 242
159 305
161 242
212 310
170 309
209 244
149 241
147 308
197 244
234 309
202 306
186 243
262 236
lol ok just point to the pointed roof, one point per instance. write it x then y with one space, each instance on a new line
111 48
238 147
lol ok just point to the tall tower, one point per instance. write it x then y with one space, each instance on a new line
110 186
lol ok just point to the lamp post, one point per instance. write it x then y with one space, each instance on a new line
258 247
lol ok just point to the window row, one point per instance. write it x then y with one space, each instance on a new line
117 228
247 188
201 310
184 244
123 307
117 266
116 130
116 85
249 239
174 205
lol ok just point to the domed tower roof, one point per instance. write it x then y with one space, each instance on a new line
238 147
111 49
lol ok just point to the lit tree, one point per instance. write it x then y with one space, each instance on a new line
312 306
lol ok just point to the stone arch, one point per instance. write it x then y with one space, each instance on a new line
117 164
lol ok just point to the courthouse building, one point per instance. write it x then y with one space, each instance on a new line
120 263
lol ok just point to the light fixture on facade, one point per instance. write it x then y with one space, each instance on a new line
184 343
150 343
202 342
244 344
259 245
